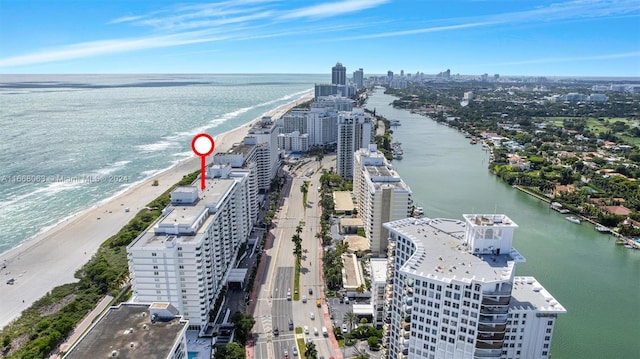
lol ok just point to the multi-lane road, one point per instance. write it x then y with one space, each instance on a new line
273 309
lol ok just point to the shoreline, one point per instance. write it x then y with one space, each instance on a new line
51 257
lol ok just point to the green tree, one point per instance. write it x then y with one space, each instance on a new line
373 342
350 318
243 323
230 351
311 352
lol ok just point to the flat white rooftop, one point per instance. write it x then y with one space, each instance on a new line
528 294
185 216
378 270
442 254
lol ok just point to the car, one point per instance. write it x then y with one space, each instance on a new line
306 329
304 299
11 281
344 328
346 300
286 354
295 351
290 324
310 291
318 303
312 316
315 331
341 300
276 332
324 331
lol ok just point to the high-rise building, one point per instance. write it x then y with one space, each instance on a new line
452 292
264 134
132 330
389 75
381 196
339 74
186 256
358 78
354 132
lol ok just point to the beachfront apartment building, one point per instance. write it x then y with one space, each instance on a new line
339 74
294 141
354 132
358 78
452 292
242 157
381 195
185 257
264 134
320 121
133 330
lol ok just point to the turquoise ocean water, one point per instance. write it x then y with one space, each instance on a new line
68 142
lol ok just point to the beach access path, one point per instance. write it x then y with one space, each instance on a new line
51 258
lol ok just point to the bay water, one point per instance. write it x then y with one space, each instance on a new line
597 281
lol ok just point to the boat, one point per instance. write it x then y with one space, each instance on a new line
418 212
602 229
573 220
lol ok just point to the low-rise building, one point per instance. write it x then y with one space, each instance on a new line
133 330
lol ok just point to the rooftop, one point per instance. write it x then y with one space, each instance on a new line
528 294
357 243
128 331
238 149
186 223
442 254
343 201
353 222
379 171
378 269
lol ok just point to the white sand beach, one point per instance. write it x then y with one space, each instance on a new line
51 258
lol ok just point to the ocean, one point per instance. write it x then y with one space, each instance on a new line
69 142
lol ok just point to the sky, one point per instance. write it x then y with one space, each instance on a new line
506 37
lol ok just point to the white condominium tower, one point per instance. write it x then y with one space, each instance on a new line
381 195
453 292
354 133
184 257
264 134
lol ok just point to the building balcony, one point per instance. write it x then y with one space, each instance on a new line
503 300
486 319
487 353
498 328
491 336
488 345
504 290
494 310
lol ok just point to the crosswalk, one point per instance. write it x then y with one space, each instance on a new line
267 325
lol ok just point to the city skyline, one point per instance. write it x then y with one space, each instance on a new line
548 38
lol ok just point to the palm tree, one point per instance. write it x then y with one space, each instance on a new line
350 318
311 352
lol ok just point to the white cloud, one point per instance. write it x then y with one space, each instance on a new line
94 48
332 9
